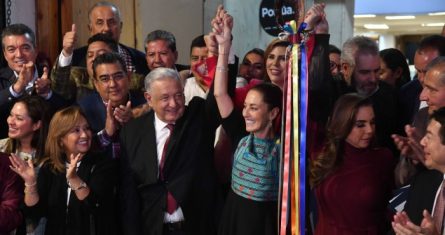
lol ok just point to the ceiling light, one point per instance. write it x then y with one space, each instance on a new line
364 16
433 24
400 17
437 13
376 26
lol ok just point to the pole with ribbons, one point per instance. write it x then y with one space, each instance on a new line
292 206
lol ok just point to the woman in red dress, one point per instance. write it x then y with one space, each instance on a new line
351 177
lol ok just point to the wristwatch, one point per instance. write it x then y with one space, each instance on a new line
81 186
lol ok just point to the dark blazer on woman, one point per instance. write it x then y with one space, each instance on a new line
95 215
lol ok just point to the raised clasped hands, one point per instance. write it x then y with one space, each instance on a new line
315 19
222 26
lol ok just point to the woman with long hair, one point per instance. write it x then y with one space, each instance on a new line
28 123
276 56
352 178
27 128
75 188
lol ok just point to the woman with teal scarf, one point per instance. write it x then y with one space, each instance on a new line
251 206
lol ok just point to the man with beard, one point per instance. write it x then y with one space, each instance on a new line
360 65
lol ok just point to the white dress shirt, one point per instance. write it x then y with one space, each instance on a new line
435 200
162 133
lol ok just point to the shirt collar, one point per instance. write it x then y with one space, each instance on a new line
159 124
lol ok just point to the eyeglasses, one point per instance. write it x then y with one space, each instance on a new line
333 65
106 78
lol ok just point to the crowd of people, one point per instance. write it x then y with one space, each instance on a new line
111 140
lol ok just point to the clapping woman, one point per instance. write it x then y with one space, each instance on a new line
75 188
28 123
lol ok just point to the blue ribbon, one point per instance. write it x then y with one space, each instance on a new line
303 122
302 27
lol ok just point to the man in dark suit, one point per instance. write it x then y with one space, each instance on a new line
426 195
167 172
105 17
22 76
110 107
429 48
425 183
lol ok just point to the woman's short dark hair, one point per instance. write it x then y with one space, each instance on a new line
394 59
272 94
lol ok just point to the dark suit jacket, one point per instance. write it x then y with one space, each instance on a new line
188 171
7 78
137 57
73 83
385 108
95 110
409 100
95 215
422 194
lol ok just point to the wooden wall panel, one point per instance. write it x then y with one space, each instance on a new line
183 18
66 17
47 27
54 19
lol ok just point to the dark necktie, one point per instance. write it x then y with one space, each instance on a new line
172 205
439 208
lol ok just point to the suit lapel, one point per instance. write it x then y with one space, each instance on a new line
172 149
8 73
146 159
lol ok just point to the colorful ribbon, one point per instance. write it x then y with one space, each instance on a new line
286 153
293 167
296 197
304 87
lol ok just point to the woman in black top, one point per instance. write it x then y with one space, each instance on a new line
75 188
